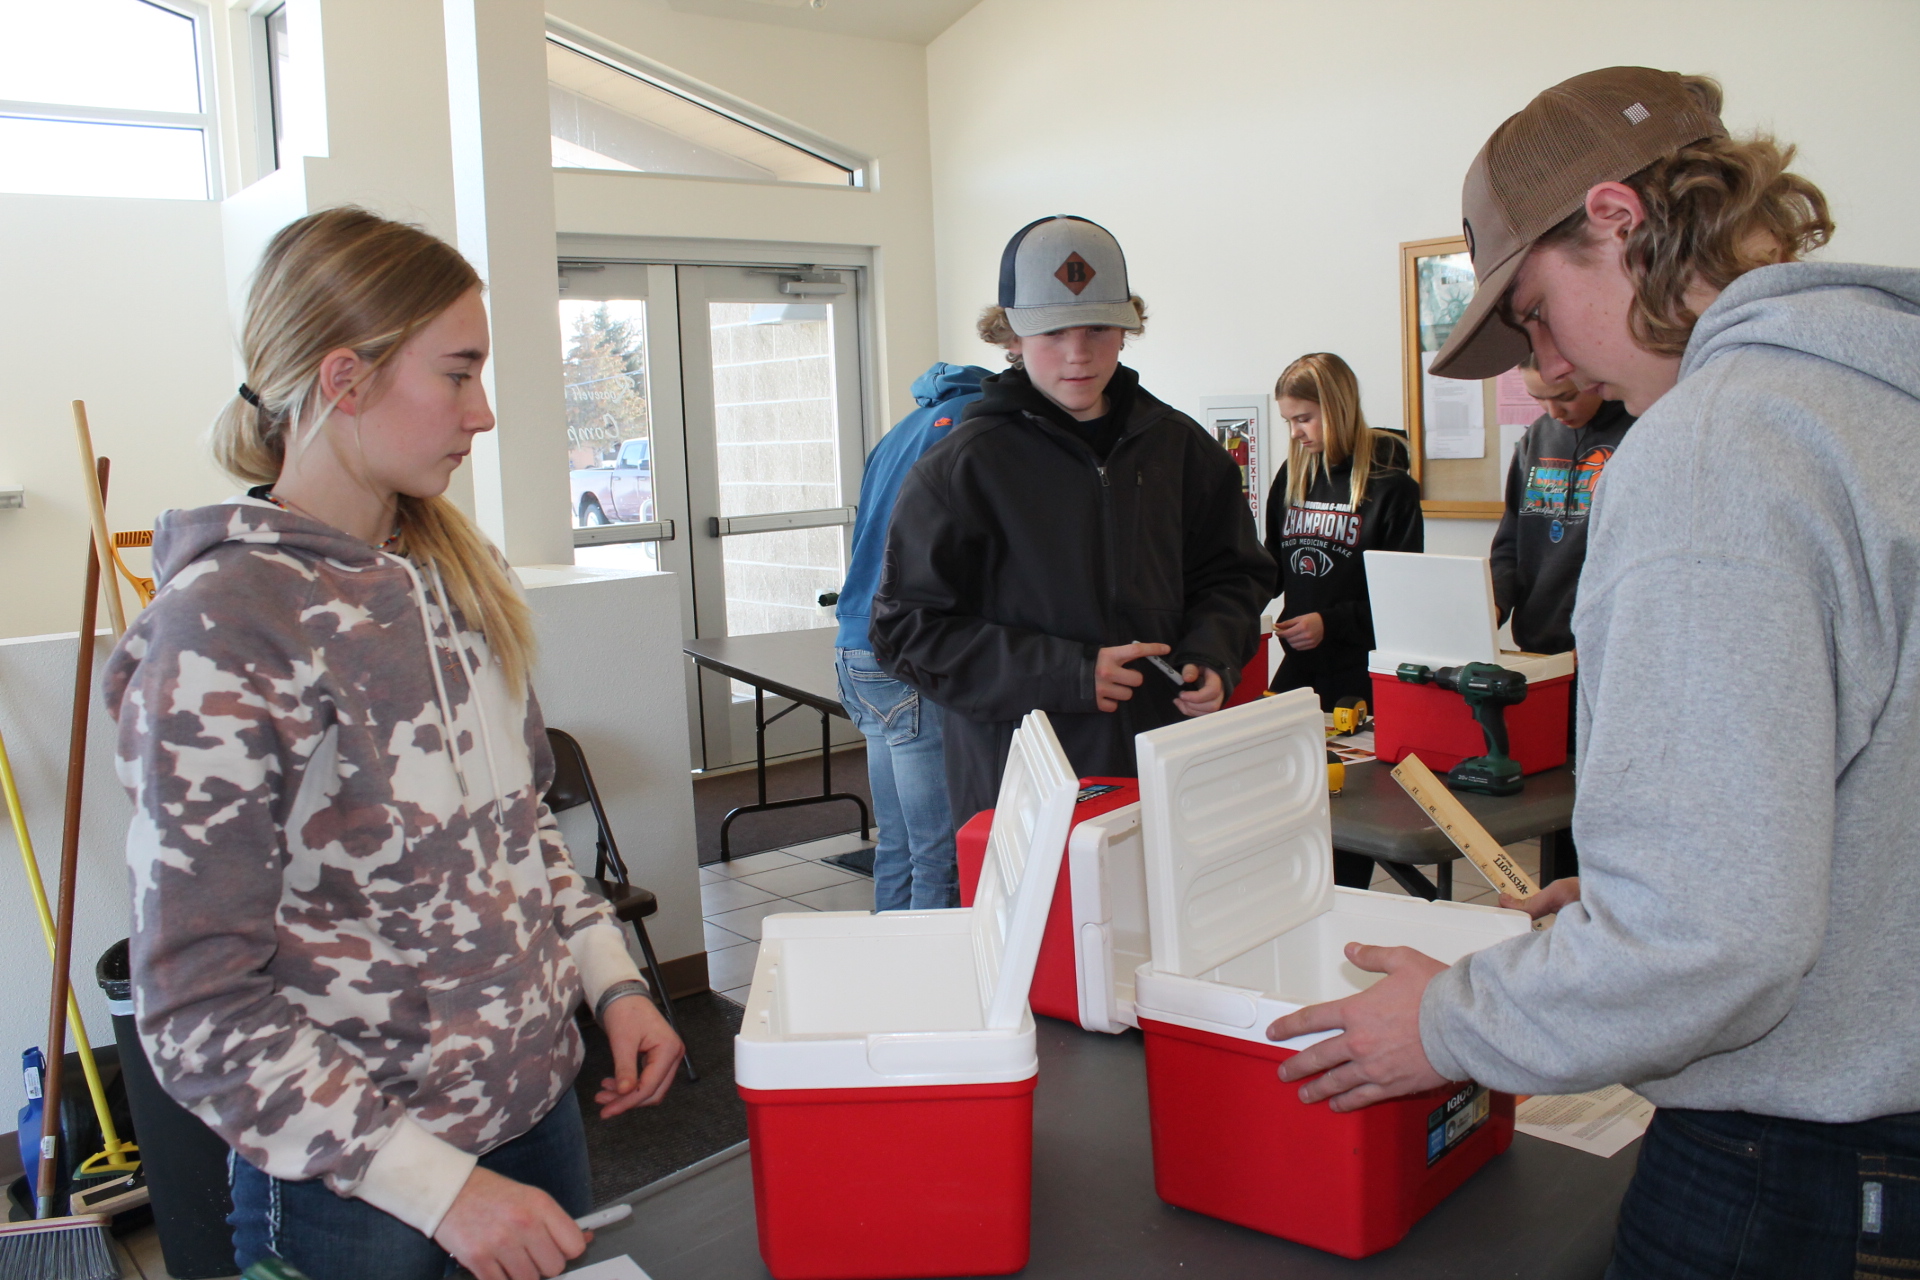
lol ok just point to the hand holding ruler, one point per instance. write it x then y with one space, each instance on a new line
1481 849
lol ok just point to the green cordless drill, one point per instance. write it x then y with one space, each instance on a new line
1488 690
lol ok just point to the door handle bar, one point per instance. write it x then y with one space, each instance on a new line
727 526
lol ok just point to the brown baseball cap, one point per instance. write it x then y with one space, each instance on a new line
1536 170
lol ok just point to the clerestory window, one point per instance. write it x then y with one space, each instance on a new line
105 98
608 112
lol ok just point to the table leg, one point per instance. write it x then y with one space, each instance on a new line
1412 881
1443 876
1558 859
827 793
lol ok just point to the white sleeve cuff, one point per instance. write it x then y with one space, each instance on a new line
416 1177
600 953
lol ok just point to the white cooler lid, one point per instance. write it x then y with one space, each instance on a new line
1435 610
1031 820
1239 846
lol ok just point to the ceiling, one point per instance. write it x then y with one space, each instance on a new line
907 21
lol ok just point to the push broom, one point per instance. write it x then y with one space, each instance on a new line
77 1247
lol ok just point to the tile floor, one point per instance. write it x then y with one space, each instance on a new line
735 896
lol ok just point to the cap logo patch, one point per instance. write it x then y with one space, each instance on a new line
1637 114
1076 273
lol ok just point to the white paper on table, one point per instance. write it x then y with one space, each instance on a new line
620 1268
1600 1123
1455 414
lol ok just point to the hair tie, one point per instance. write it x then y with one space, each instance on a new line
251 396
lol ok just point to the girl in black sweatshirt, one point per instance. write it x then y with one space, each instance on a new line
1344 489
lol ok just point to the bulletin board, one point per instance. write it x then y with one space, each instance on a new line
1461 434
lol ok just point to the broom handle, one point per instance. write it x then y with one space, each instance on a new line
97 507
91 1068
69 869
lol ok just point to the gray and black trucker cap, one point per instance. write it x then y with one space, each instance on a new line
1063 272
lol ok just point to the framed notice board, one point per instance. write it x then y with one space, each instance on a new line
1461 434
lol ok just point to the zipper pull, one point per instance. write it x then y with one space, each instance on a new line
1104 482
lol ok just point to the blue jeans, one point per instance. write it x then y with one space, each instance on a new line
330 1237
914 865
1725 1194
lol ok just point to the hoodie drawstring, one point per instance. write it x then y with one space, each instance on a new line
439 683
472 669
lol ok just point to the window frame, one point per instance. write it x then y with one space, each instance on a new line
721 103
206 120
268 92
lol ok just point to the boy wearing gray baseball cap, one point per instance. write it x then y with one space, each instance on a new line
1748 620
1072 525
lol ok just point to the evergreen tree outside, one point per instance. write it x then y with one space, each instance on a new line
604 372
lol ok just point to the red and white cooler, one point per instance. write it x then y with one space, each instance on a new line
1438 611
888 1061
1246 926
1097 925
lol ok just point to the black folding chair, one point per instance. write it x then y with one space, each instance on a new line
572 786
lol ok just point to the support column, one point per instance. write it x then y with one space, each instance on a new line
503 209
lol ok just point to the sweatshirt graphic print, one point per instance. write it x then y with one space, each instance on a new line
357 934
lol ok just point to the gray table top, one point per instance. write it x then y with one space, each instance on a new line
793 664
1373 816
1540 1210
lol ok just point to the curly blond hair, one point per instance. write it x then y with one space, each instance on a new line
1716 209
994 328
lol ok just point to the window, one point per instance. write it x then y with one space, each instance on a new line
104 98
607 114
273 44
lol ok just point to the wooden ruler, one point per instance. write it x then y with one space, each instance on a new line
1463 829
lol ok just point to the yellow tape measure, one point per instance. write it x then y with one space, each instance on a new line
1481 849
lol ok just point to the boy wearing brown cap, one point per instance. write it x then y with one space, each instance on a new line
1749 625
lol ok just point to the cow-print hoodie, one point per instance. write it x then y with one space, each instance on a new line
358 938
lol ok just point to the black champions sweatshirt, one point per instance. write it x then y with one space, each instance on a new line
1317 545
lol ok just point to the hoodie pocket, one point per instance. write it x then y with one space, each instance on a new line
498 1043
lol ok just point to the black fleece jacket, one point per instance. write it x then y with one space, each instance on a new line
1318 548
1015 554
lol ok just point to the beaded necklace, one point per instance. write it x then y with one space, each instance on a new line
393 540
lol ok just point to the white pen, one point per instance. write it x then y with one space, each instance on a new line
604 1217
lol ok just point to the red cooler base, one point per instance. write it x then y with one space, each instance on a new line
1233 1141
1056 980
859 1184
1428 721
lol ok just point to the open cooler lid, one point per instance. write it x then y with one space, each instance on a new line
1031 820
1239 846
1434 610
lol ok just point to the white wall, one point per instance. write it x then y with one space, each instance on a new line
609 674
869 95
1261 160
120 303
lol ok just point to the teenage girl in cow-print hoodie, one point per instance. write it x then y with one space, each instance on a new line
1318 527
358 937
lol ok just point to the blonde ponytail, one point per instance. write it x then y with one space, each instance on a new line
346 278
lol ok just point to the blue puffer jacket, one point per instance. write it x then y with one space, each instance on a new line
942 392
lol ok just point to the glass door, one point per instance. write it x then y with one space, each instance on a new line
714 432
770 366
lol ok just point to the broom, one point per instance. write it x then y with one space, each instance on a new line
72 1248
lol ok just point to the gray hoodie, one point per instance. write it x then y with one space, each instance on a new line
1749 801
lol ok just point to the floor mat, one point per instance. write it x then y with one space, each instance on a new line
777 828
695 1120
859 861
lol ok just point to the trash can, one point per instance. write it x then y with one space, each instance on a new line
185 1162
